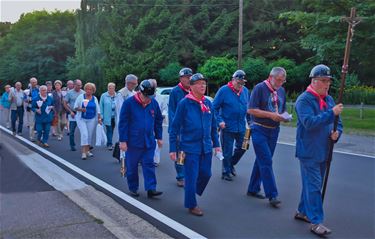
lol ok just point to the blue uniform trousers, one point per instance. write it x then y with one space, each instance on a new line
264 143
146 158
72 129
197 175
43 131
231 158
311 205
13 117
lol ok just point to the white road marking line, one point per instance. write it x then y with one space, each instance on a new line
143 207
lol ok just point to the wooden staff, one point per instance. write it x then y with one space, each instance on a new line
352 21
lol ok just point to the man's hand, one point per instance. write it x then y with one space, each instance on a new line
277 118
83 110
72 114
160 143
338 109
217 150
173 156
222 125
334 135
123 146
100 121
39 111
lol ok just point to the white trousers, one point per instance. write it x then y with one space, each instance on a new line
5 113
86 128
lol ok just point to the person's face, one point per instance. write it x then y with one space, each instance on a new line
238 83
321 85
199 87
131 85
185 81
70 85
33 83
18 86
78 85
57 87
43 92
278 81
7 88
111 89
49 87
89 91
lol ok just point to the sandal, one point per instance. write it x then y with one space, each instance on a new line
302 217
320 229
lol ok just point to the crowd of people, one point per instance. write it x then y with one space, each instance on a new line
197 129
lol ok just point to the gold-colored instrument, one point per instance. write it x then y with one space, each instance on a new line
181 158
246 139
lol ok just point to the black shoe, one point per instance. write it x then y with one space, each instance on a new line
274 202
153 193
233 171
91 147
73 148
226 177
256 195
134 193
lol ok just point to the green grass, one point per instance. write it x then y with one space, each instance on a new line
352 122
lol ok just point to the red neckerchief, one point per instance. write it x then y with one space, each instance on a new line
182 87
320 98
138 98
204 107
237 92
273 92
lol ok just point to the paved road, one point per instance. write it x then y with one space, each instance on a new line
229 213
30 208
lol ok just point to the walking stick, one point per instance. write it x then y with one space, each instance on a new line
352 21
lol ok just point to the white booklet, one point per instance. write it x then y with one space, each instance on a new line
287 116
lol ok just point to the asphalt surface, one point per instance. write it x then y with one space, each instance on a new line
229 213
31 208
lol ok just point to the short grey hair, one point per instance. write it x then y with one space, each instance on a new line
43 87
131 77
111 84
33 79
153 82
278 71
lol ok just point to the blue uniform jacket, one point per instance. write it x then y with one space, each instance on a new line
197 129
140 126
43 117
176 95
314 127
231 108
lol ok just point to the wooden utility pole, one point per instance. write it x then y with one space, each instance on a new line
240 34
352 21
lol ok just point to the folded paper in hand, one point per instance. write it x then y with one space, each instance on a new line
287 116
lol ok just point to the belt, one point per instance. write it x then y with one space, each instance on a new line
265 126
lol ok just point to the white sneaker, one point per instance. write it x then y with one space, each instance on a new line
90 154
84 156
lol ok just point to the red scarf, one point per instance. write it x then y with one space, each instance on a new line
320 98
204 107
273 93
237 92
183 88
138 98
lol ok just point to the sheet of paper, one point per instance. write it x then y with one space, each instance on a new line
287 116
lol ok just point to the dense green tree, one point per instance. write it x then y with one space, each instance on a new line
37 45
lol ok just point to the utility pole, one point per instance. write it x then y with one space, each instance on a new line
240 34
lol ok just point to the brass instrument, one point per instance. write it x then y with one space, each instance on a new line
181 158
123 167
246 139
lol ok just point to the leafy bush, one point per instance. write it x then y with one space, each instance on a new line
169 74
358 94
256 70
218 70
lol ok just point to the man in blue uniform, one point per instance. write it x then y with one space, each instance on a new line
316 111
230 107
267 103
140 124
176 95
195 124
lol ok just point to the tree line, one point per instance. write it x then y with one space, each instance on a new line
106 39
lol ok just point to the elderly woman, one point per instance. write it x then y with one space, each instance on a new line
88 112
5 106
59 121
42 105
108 110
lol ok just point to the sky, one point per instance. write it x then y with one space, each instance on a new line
11 10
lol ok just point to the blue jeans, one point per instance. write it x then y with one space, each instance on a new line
72 129
18 113
264 143
197 175
311 204
43 131
231 158
109 131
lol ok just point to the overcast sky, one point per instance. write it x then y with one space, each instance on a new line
11 10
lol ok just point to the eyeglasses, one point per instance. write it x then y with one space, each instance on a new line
325 81
280 79
201 84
